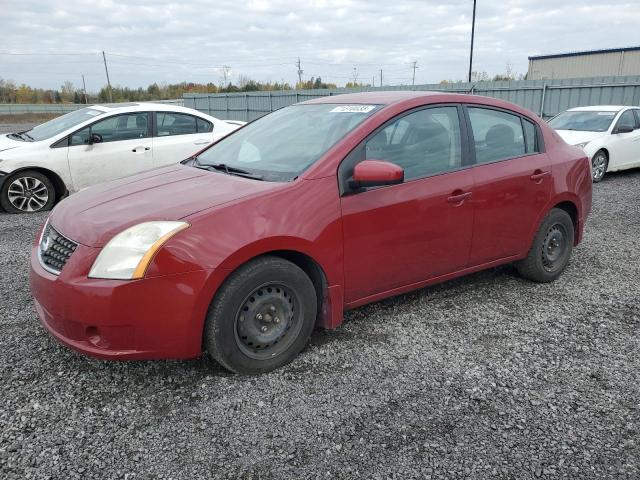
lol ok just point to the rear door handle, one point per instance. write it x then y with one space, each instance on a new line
538 175
201 142
140 149
458 197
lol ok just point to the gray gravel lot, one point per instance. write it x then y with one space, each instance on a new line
488 376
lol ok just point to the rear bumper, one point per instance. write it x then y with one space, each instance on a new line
152 318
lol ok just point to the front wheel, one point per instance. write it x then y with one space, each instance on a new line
262 316
551 249
599 164
26 192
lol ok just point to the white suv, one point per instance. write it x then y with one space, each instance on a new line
96 144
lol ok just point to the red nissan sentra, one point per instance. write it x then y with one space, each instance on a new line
311 210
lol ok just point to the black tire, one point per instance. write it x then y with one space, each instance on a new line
261 317
27 191
599 165
551 249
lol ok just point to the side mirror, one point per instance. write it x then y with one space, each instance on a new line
95 138
375 173
624 129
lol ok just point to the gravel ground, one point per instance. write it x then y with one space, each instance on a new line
488 376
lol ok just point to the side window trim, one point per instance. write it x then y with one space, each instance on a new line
150 124
359 149
539 140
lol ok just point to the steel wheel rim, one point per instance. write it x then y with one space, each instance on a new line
28 194
554 247
599 165
268 321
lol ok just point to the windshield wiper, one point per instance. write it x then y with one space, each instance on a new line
25 134
223 167
22 136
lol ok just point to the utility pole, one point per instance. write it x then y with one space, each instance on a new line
300 72
355 76
84 89
373 81
473 31
413 79
381 77
225 74
104 57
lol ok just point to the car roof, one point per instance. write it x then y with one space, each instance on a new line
413 98
599 108
143 106
377 98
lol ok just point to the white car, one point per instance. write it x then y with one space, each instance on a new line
609 135
96 144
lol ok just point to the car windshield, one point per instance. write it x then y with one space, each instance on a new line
583 121
58 125
282 145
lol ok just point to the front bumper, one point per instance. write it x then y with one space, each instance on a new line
153 318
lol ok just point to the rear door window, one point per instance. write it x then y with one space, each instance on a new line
497 135
170 123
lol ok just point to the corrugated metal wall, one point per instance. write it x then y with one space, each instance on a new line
572 66
544 97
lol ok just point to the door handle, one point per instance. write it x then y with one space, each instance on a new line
457 197
140 149
201 142
538 175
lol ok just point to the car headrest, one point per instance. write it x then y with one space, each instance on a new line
499 136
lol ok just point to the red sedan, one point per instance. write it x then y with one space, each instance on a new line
316 208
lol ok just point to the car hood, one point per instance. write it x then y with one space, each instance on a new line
7 143
574 137
94 215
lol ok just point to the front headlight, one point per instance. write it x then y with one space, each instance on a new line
128 254
581 145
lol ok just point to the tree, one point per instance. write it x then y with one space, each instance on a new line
67 91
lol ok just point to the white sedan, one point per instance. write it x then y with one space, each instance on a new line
96 144
609 135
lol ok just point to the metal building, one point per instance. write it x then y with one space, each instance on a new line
593 63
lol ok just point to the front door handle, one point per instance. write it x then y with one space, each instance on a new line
458 196
140 149
201 142
539 175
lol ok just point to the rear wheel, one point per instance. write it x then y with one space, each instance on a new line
552 246
599 164
262 316
27 191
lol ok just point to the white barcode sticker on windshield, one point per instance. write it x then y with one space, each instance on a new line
353 109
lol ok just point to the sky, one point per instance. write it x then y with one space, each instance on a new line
45 42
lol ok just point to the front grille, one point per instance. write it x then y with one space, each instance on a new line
55 250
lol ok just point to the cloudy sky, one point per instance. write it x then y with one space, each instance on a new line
162 41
